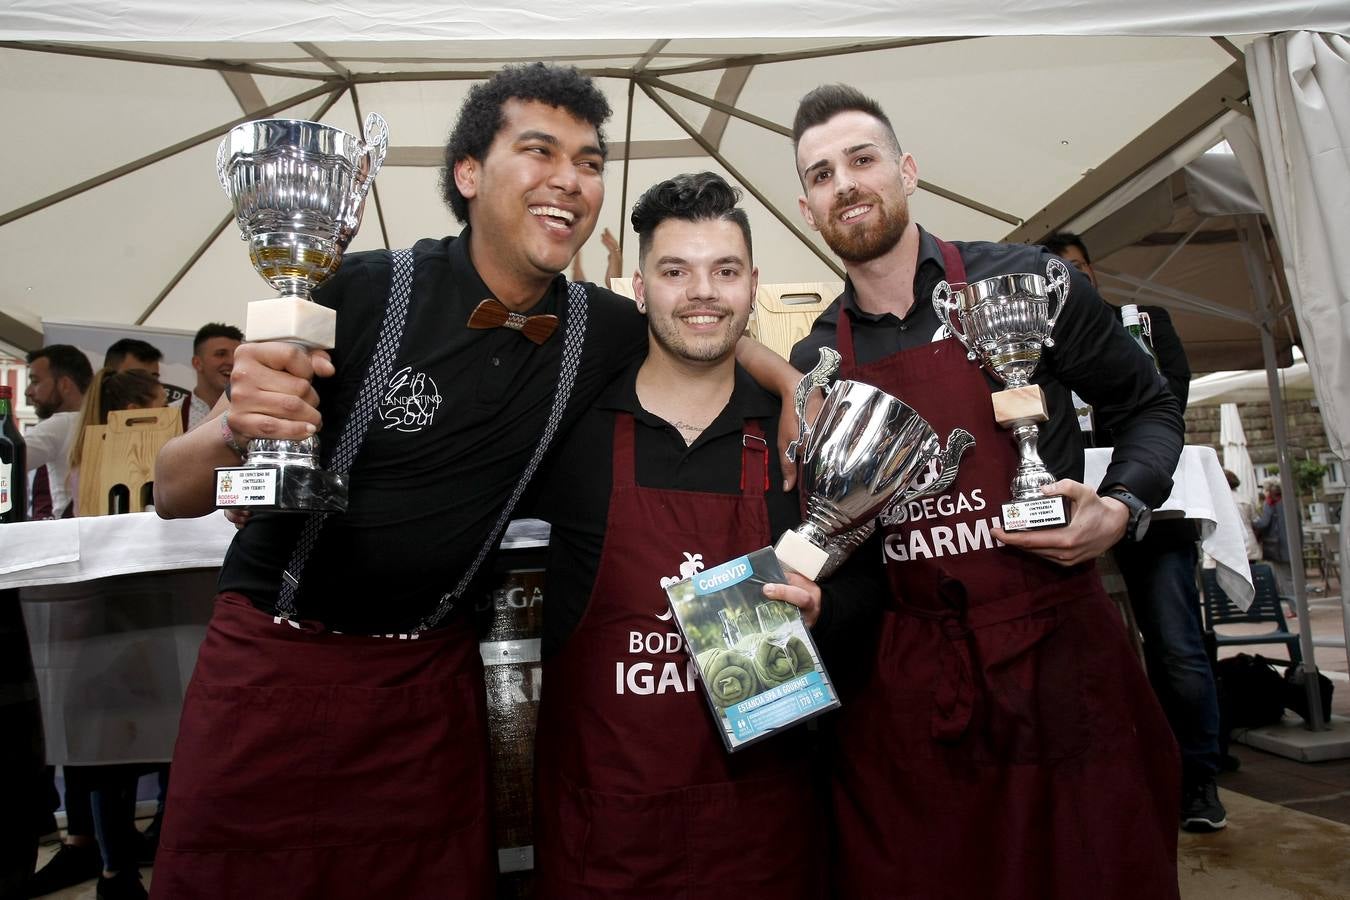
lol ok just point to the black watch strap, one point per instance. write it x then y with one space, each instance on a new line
1140 514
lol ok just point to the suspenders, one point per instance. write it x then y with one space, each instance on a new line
354 432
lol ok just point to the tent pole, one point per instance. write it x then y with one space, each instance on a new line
627 158
1178 298
164 153
1172 254
1293 526
211 238
1344 550
776 128
183 270
745 182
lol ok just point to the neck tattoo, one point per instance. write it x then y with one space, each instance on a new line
689 431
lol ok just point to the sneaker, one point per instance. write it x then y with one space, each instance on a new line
1201 810
71 865
125 885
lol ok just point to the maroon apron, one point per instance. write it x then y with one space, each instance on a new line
1005 744
311 764
637 798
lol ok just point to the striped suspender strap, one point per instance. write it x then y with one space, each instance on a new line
573 340
358 421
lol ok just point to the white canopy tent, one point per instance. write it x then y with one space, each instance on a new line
1023 116
114 213
1249 386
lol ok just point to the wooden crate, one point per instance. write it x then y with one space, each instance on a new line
784 312
117 468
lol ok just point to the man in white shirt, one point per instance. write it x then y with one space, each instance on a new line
58 376
213 359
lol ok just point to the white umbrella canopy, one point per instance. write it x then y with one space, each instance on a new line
1249 386
115 214
1236 459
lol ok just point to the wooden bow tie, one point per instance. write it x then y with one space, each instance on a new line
494 314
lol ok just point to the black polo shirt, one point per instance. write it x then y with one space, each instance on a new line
456 424
574 496
1093 355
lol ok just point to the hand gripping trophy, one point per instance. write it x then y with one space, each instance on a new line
297 189
864 449
1004 322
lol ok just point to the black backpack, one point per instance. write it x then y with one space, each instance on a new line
1251 692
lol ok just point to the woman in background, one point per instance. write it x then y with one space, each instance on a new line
112 391
1248 516
1274 542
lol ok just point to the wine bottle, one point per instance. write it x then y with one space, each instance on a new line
1129 317
13 463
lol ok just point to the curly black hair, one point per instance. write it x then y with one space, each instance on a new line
480 118
692 198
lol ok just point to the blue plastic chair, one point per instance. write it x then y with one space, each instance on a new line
1267 606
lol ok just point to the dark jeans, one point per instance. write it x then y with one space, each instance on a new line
1166 601
101 801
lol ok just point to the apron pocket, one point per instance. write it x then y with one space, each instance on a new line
246 768
267 768
1033 707
618 841
761 835
403 762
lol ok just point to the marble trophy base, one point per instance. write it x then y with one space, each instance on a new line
800 555
287 477
293 488
1022 409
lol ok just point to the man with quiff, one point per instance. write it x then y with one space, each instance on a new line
1004 743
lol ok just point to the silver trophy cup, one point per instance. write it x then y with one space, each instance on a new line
864 450
297 189
1004 322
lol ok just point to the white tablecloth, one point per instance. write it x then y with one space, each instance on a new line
1200 492
115 608
69 550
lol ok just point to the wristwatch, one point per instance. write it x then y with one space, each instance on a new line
1140 514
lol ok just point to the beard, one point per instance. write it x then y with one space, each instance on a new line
711 348
861 244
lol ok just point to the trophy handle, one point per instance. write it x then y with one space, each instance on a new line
375 142
819 377
222 162
1057 287
948 312
958 442
373 146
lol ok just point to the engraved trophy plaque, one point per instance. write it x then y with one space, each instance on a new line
1004 322
297 189
865 449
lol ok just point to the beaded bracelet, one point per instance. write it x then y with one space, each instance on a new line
228 436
